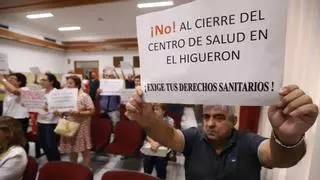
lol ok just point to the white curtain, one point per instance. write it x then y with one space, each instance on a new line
302 67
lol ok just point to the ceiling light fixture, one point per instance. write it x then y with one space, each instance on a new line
69 28
155 4
38 16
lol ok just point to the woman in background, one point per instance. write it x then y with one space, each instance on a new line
81 141
12 106
13 158
85 84
47 121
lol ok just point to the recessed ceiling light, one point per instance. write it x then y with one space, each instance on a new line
38 16
155 4
69 28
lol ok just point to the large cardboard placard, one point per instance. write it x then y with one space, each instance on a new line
214 52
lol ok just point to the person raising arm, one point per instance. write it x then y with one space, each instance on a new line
217 149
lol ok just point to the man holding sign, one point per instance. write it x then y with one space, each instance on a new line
240 43
220 151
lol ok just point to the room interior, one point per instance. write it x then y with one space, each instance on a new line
104 34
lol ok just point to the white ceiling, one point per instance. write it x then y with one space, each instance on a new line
119 21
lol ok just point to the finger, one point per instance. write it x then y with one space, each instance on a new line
287 89
131 116
139 90
131 108
135 104
136 101
310 110
148 108
275 112
298 102
290 97
138 94
137 97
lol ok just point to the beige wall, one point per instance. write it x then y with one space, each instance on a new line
302 67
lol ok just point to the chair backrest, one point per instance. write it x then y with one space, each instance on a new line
122 113
101 130
121 174
176 118
64 171
129 133
30 173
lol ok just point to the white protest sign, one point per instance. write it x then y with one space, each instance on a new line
161 152
33 87
33 100
35 70
214 52
63 100
127 69
4 67
111 86
125 65
125 95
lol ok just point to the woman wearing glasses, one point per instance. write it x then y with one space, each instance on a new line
47 121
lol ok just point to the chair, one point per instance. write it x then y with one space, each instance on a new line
64 171
35 138
128 139
30 173
123 117
132 175
101 130
176 118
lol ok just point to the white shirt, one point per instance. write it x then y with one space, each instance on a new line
12 106
47 117
13 163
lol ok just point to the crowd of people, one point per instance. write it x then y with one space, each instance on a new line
89 94
217 150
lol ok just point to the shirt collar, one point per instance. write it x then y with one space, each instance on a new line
231 140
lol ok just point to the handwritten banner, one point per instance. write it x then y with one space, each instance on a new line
214 52
35 70
125 95
33 100
4 67
111 87
63 100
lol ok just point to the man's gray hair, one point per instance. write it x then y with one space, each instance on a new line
231 109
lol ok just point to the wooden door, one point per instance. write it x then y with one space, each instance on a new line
85 67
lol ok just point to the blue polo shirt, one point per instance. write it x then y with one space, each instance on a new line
238 160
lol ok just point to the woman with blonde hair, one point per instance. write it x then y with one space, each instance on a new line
13 158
